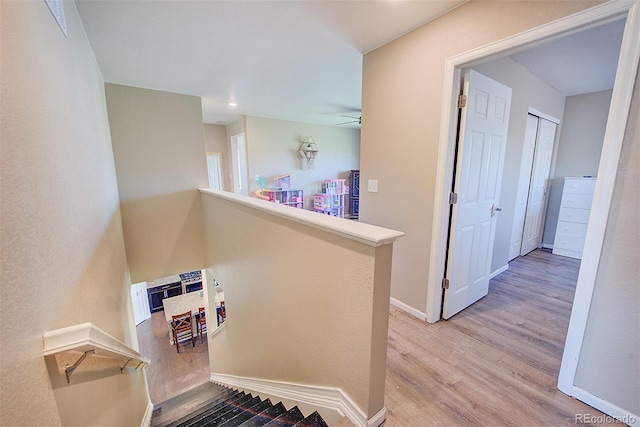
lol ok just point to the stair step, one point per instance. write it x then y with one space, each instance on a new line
187 403
216 411
288 419
231 412
248 414
265 416
212 405
313 420
217 400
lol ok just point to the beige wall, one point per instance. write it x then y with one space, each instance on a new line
62 256
609 365
401 107
313 305
579 148
215 141
272 149
528 92
158 146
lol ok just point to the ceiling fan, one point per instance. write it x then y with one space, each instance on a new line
357 119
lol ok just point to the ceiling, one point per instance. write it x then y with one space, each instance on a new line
290 60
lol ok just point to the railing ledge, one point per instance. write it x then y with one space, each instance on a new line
367 234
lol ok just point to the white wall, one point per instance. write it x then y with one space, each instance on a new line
62 253
528 92
158 146
272 149
579 148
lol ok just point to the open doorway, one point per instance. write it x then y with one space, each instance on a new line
239 164
171 373
607 169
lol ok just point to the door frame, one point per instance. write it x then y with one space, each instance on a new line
607 171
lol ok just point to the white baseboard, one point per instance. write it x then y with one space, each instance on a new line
146 420
323 397
412 311
499 270
547 246
612 411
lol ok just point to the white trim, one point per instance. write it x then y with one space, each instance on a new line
499 271
608 408
367 234
146 420
408 309
547 246
614 134
542 115
607 171
323 397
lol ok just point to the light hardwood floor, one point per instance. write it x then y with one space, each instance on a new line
169 373
494 364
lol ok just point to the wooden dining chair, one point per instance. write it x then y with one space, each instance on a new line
202 323
182 329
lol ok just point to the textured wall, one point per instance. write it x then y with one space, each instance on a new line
215 141
158 146
401 106
579 148
62 256
303 306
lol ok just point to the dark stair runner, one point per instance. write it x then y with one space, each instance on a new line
229 408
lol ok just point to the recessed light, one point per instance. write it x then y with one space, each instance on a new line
232 104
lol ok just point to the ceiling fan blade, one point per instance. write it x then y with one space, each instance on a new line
346 123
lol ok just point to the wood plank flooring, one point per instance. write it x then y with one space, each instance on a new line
494 364
169 373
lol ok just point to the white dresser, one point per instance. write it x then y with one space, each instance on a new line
575 208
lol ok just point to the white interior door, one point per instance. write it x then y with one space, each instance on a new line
214 169
239 164
481 146
538 187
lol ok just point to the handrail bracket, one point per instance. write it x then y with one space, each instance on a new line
69 369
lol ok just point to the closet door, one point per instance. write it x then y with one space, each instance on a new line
538 187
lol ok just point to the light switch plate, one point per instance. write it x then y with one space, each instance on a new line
372 186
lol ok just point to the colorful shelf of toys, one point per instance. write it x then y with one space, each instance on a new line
282 194
332 199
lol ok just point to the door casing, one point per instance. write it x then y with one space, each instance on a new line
607 171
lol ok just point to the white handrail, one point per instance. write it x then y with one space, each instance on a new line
88 339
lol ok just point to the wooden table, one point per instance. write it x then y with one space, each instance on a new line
189 302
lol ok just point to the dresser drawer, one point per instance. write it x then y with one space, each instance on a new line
574 215
570 243
579 185
580 201
567 228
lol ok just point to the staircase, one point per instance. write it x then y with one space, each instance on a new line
215 405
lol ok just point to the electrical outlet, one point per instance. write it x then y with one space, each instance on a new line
372 186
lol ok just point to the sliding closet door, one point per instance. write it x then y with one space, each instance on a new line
538 186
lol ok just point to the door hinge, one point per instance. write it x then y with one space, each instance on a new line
462 101
453 198
445 283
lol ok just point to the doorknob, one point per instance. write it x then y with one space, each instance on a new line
495 209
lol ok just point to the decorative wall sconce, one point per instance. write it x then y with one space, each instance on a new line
308 151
